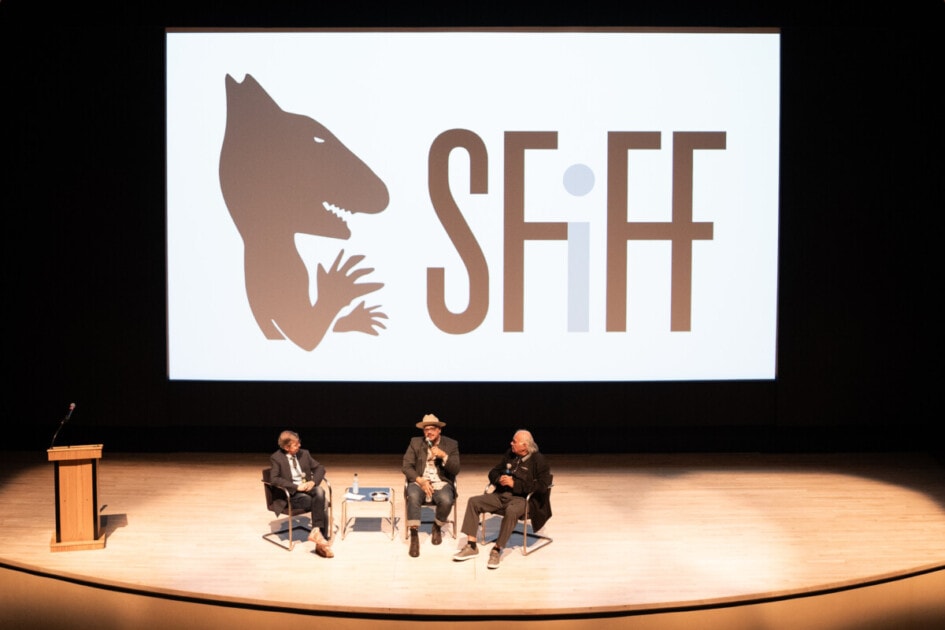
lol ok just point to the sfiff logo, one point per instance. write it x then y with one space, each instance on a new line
681 231
283 173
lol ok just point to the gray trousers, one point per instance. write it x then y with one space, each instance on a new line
509 506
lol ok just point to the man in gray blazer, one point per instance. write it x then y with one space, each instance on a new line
431 464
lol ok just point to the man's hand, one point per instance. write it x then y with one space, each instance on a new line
507 480
305 486
426 485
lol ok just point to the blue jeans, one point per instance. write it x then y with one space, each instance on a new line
442 500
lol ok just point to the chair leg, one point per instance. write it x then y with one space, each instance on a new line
455 528
291 543
544 540
541 539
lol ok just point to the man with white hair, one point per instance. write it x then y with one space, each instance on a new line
521 471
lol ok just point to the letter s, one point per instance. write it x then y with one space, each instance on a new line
459 232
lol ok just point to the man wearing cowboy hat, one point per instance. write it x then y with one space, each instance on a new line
431 464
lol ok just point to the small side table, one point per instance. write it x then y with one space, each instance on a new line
368 507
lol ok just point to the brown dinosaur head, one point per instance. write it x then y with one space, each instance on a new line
284 173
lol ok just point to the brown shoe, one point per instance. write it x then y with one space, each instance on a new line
322 546
436 537
414 543
323 550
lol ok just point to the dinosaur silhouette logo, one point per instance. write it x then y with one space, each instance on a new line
282 174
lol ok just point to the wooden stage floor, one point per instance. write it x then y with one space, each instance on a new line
632 534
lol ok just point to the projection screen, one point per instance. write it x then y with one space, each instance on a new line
472 205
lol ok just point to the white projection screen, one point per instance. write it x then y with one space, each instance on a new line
472 205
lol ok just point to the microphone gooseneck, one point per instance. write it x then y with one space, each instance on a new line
62 422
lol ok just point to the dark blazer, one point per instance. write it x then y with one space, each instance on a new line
280 474
531 475
415 460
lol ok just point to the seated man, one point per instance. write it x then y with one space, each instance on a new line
431 464
522 470
294 469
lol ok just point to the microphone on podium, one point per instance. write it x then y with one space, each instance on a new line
64 420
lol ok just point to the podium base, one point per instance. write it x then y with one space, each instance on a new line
77 545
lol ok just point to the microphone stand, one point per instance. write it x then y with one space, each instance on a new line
62 423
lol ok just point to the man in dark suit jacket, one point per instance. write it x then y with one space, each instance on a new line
294 468
522 470
431 464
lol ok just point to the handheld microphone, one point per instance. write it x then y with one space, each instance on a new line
429 443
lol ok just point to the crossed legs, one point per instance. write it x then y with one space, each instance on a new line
312 501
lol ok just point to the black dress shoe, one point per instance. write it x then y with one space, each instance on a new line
414 544
436 537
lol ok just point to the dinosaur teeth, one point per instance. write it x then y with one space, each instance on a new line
341 213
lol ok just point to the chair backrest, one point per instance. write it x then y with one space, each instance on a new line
539 496
266 472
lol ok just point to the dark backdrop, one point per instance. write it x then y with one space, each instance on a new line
83 271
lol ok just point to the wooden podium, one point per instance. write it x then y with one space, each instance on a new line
76 477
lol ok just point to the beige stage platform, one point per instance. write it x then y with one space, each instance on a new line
640 541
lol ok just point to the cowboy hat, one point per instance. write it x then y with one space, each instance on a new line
429 420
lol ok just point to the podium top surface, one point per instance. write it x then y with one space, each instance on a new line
80 451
